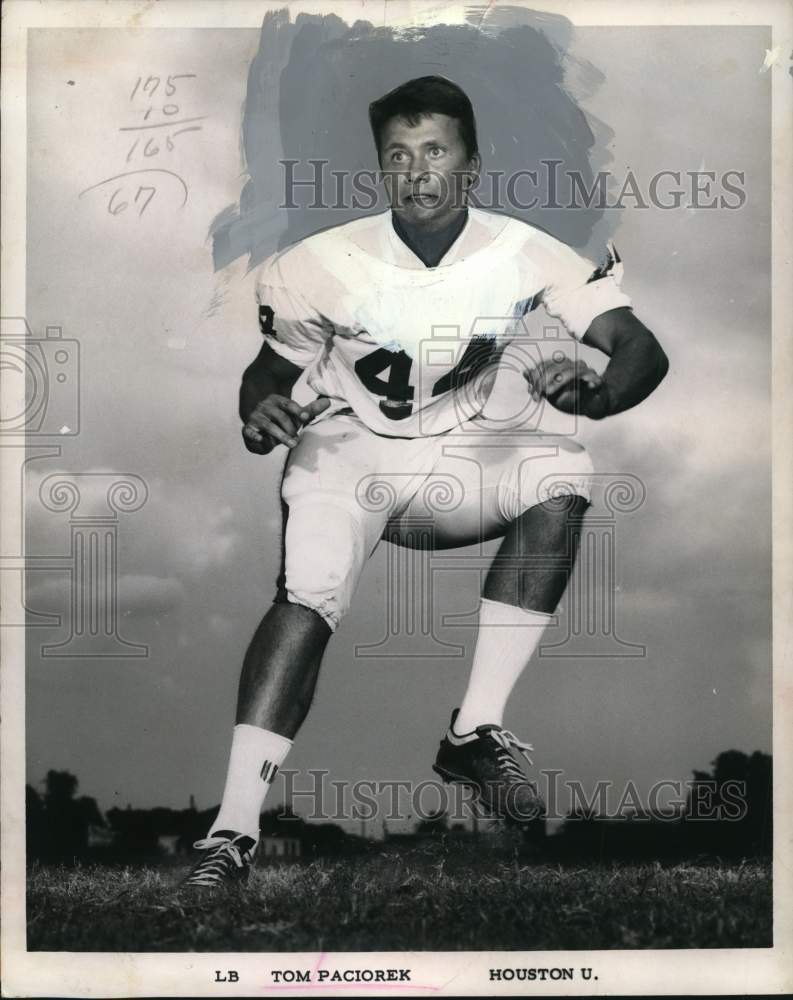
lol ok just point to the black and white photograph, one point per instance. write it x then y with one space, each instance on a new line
396 463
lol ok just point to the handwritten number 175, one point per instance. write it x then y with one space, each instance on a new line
151 83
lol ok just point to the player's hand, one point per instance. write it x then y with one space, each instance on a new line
278 420
569 386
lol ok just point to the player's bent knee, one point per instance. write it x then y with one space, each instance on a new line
572 476
324 556
533 481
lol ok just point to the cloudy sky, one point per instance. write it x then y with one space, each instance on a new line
164 337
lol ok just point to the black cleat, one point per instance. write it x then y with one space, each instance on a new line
484 761
228 857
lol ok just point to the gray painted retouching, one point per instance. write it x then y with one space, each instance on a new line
311 82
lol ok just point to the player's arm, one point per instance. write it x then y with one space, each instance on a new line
637 363
268 413
597 312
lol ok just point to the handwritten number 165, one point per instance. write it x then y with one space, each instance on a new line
152 148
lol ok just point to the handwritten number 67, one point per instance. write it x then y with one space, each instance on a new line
115 207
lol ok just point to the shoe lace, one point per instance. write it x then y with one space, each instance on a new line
212 868
508 741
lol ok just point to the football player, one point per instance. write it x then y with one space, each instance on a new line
358 308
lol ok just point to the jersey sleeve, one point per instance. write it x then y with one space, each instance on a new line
576 290
293 328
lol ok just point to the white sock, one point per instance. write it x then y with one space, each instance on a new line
507 639
256 755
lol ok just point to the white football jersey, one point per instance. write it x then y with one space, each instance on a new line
408 348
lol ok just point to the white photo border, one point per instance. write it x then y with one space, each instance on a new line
666 972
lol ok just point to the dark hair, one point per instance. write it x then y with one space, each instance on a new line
426 95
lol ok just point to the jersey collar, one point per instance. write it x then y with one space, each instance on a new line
430 248
403 256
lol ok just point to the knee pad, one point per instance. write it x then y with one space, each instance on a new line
571 475
536 478
325 548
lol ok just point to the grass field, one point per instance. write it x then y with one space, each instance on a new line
426 898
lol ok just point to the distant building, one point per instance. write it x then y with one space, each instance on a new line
168 843
280 848
100 836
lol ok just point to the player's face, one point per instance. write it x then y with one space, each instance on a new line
426 169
